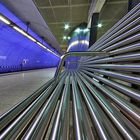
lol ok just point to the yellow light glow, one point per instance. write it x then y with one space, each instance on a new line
4 20
41 45
20 30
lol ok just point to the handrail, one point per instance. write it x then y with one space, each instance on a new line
83 53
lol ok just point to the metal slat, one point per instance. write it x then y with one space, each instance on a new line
123 22
124 89
128 36
60 118
99 109
84 120
79 134
18 125
122 76
127 129
125 49
131 111
122 30
125 67
103 126
38 129
120 58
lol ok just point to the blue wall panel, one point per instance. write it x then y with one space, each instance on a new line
19 53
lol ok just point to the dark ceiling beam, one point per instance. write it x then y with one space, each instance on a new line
63 6
93 29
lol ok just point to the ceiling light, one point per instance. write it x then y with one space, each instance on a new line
68 37
99 25
64 37
4 20
66 27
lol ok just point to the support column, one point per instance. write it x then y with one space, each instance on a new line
93 29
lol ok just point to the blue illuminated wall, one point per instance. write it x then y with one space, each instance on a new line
80 44
18 52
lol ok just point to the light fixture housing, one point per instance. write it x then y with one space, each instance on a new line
20 30
6 21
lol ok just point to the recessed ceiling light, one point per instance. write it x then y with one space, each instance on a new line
66 26
99 25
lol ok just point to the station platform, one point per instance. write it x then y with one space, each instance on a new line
15 87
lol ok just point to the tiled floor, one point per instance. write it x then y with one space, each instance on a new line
16 87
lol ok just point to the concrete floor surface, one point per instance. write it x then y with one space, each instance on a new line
16 87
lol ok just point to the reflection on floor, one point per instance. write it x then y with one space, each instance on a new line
15 87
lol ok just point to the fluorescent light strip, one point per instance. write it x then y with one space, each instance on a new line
31 38
2 18
20 30
24 33
5 20
41 45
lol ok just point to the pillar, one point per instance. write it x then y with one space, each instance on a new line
93 29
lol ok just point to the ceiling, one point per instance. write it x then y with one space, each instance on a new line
57 13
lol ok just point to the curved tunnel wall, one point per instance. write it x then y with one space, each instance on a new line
78 42
17 52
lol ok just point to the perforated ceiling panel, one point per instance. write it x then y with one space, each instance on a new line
59 12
